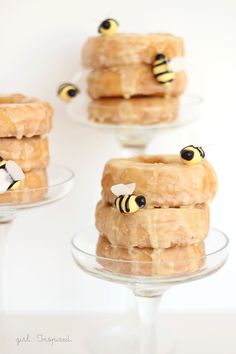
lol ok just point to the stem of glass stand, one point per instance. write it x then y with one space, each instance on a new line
129 151
4 228
148 308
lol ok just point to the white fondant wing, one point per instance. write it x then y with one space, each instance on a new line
5 180
130 188
14 171
123 189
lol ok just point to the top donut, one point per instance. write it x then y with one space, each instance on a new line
22 116
164 180
124 49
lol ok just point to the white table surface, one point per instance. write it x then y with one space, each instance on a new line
195 333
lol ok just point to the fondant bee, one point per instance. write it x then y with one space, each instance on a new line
161 70
108 27
126 202
67 91
11 175
191 154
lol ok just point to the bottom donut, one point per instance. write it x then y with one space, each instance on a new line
141 110
148 261
32 189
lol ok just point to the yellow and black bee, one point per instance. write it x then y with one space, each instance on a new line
67 91
126 202
191 154
11 175
161 70
108 27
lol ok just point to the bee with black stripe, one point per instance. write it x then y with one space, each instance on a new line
161 70
108 27
67 91
191 154
11 175
126 202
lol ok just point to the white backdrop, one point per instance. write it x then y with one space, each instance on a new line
40 45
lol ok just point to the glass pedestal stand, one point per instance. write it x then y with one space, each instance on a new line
60 182
134 139
148 291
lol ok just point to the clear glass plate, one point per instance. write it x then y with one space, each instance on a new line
189 110
148 291
60 181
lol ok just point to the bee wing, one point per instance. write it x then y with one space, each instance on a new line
14 171
176 64
5 181
123 189
130 188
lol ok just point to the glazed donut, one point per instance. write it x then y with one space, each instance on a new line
143 110
153 228
148 261
29 153
125 49
23 116
32 189
162 179
132 80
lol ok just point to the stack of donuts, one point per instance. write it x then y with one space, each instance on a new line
131 81
24 123
164 233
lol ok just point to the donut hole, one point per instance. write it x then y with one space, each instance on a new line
158 159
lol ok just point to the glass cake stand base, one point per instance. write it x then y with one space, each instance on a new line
59 183
148 291
118 339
